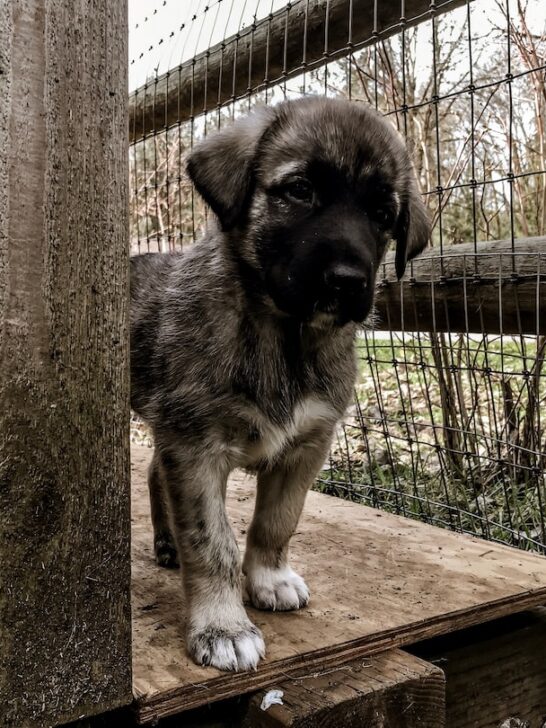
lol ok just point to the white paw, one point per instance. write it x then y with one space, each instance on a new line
277 589
227 649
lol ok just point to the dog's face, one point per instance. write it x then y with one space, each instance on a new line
310 192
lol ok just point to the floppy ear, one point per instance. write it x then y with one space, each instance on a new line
413 229
221 165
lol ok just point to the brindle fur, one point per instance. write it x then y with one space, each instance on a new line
242 350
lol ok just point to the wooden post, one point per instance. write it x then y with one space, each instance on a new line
65 628
391 689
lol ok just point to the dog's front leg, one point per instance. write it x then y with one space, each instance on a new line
270 582
218 630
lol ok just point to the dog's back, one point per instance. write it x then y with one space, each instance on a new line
184 330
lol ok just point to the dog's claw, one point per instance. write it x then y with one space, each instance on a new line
276 589
165 552
236 651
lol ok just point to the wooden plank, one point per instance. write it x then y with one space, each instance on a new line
301 36
377 581
392 689
120 718
480 289
65 634
494 673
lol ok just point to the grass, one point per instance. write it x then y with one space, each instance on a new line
447 431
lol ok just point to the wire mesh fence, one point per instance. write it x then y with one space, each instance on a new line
446 424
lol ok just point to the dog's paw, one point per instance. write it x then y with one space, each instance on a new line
277 589
165 551
227 649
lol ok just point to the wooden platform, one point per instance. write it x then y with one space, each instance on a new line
376 580
393 689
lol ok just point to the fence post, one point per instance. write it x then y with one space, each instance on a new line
65 647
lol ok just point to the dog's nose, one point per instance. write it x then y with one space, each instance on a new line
343 277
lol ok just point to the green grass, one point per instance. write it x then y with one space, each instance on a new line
471 459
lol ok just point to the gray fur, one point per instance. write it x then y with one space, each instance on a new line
242 348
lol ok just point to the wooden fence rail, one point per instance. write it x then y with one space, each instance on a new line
303 35
483 289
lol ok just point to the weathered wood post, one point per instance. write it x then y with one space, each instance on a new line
64 454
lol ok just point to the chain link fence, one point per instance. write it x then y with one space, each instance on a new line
446 424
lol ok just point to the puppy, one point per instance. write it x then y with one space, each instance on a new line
242 348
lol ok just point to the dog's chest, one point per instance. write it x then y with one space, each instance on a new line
266 439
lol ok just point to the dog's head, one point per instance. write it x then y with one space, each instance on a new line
309 193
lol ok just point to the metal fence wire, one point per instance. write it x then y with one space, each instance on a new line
446 424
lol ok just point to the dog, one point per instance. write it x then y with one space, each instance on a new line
243 346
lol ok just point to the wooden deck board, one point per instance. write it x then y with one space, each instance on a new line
377 581
392 688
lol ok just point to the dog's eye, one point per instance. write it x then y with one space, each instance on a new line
383 216
299 191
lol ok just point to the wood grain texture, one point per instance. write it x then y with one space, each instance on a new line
495 672
64 416
301 36
6 33
377 581
391 689
493 291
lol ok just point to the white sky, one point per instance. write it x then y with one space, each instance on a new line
163 33
157 41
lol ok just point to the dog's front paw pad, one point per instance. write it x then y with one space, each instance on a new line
235 650
165 551
276 589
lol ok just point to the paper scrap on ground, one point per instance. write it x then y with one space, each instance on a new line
272 697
